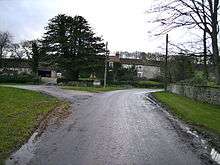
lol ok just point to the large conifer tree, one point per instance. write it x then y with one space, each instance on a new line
72 45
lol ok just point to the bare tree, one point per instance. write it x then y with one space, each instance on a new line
202 14
22 49
27 48
35 58
5 40
15 51
205 15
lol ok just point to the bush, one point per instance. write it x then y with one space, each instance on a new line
157 79
139 84
79 83
148 84
199 79
19 78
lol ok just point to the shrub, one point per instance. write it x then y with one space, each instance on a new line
199 79
148 84
79 83
19 78
139 84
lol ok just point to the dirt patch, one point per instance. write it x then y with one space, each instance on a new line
54 117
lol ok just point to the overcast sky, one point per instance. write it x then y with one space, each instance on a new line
123 23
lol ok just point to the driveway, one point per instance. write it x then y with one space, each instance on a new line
113 128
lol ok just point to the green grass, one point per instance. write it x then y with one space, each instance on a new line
85 79
213 85
19 116
202 115
92 89
150 82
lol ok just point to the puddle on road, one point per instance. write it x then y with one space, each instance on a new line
215 156
24 154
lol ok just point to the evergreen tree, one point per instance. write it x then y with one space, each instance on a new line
35 58
72 45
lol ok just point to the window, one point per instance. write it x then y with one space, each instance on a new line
111 64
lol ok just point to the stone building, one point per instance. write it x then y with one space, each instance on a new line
14 65
148 69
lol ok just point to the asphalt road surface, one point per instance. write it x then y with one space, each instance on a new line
113 128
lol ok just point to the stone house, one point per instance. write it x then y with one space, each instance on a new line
145 69
13 65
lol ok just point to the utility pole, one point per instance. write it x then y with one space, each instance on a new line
106 64
166 67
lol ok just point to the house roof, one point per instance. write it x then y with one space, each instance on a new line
129 61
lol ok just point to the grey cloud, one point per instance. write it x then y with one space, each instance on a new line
25 19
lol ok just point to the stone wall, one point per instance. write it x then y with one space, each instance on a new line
49 80
204 94
151 72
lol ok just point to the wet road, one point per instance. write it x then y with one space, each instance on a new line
114 128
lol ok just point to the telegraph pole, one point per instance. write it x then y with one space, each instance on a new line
166 67
106 64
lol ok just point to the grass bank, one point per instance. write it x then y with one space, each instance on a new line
149 84
92 89
140 84
20 114
204 116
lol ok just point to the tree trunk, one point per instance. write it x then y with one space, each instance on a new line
205 56
216 57
214 36
204 41
1 51
114 76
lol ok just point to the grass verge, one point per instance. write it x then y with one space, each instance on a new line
92 89
204 116
20 114
149 84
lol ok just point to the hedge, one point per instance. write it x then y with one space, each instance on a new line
19 78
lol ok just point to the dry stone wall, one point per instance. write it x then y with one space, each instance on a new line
204 94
